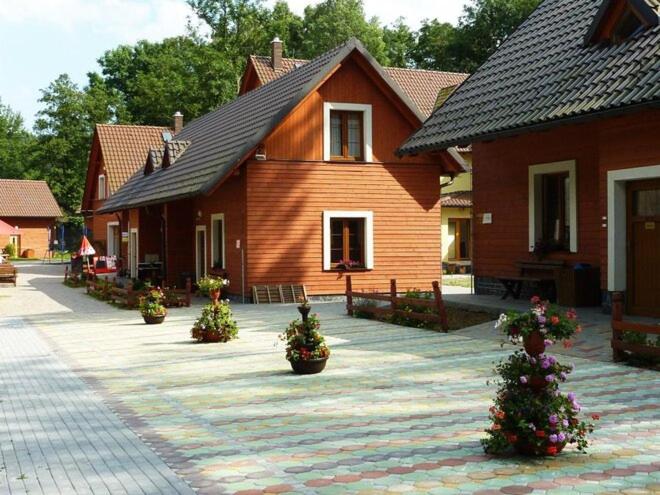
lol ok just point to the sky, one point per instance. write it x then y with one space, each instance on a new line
41 39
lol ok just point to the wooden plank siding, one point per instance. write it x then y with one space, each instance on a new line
285 222
500 178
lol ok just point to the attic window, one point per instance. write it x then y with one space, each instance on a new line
619 20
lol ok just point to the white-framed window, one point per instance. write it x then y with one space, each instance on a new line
348 237
101 187
218 241
347 132
553 206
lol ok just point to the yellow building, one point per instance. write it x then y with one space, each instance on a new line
456 200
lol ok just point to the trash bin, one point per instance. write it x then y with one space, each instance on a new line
578 286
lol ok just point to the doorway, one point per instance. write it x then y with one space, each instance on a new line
200 252
643 246
113 239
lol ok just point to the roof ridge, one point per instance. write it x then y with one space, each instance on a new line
141 126
23 180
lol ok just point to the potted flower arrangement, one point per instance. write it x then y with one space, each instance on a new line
213 287
216 324
530 415
539 327
151 306
306 349
347 265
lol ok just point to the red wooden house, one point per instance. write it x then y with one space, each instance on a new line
293 181
117 152
564 124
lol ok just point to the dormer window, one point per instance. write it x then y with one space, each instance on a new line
101 187
347 132
619 20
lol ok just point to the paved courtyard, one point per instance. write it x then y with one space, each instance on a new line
398 410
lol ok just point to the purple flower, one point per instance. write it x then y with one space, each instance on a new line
553 438
553 419
532 360
561 437
550 378
523 380
576 406
552 359
564 423
541 319
571 396
562 376
548 342
545 364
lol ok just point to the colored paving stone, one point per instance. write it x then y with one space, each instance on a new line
397 410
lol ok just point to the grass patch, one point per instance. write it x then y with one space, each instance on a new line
457 281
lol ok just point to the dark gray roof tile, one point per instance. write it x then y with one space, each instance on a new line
543 73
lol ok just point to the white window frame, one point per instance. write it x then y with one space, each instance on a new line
368 217
133 267
101 191
616 222
108 236
535 220
214 218
198 229
367 126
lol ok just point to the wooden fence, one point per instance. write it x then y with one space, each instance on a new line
619 326
439 314
129 298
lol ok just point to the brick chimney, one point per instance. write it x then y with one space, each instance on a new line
178 122
276 56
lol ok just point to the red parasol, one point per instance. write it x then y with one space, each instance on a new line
86 248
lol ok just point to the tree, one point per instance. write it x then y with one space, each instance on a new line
332 22
400 43
435 48
16 145
184 74
485 24
64 129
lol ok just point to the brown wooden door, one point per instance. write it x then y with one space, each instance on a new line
644 248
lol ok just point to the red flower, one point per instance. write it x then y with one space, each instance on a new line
496 427
568 344
595 417
554 320
578 329
540 433
513 438
536 300
552 450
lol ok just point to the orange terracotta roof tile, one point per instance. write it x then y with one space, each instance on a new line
458 199
27 198
421 86
125 149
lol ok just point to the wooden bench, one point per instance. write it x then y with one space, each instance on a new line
539 273
8 273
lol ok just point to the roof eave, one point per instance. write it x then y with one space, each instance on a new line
541 126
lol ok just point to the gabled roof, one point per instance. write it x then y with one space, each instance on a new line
124 149
27 198
543 75
221 140
456 199
421 86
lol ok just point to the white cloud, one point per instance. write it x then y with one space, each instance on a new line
124 20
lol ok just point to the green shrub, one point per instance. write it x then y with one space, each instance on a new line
10 249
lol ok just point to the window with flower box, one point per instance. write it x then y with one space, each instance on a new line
348 240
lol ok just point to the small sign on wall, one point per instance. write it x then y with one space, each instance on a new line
124 237
487 218
238 244
649 225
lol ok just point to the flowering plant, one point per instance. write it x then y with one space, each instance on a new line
533 421
303 302
348 264
208 284
552 322
303 340
151 304
216 323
